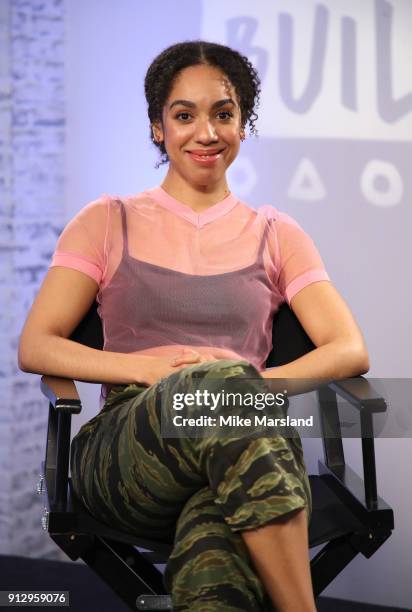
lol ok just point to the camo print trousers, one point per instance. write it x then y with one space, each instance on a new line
199 493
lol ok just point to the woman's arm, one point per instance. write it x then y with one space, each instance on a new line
341 350
63 300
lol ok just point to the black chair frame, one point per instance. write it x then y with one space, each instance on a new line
348 516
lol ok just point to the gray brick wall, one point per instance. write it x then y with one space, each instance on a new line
32 124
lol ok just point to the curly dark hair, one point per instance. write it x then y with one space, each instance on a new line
166 66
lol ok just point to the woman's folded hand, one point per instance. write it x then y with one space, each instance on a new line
154 369
189 356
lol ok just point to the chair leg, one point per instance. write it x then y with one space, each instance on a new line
329 562
126 571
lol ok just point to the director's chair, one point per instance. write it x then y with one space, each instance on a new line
348 516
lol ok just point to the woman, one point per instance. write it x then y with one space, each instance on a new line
188 279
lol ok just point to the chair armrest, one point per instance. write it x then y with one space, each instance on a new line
360 394
61 393
63 402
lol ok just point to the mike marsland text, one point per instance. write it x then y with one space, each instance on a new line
258 420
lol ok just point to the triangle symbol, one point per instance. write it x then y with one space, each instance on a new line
306 183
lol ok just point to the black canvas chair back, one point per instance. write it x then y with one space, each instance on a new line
348 516
90 330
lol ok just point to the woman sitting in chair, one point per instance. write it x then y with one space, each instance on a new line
188 279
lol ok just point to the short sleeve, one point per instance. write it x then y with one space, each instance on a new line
81 246
298 262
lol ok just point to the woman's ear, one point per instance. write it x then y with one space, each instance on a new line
157 131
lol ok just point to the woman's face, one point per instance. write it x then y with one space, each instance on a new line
201 125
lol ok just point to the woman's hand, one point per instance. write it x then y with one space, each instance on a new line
188 356
157 368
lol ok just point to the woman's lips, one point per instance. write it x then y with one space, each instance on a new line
205 159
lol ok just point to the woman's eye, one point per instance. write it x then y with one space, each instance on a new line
227 114
183 116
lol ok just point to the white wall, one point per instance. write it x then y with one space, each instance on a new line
31 217
315 158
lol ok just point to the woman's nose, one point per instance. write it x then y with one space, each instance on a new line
206 132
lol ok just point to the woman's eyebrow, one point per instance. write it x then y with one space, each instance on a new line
189 104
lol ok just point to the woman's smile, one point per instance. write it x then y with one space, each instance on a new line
205 157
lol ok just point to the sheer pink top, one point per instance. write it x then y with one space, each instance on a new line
169 277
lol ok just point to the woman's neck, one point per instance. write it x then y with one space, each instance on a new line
198 197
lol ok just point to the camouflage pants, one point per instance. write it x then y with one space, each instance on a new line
198 492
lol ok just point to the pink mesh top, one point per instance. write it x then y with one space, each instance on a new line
170 278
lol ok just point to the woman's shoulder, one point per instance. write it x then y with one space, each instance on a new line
108 203
279 218
95 208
